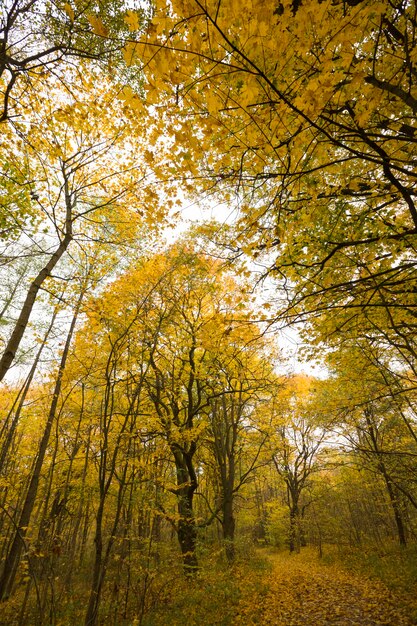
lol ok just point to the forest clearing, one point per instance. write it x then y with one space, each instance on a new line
208 305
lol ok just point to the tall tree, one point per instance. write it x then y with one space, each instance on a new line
297 441
184 326
236 433
85 183
305 112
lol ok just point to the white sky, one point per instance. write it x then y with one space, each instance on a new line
288 339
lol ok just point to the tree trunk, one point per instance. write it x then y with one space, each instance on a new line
98 571
186 527
294 535
228 527
395 508
102 554
187 531
22 322
374 438
13 556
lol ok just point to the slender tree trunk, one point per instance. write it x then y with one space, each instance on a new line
103 554
374 439
16 337
226 415
74 540
13 556
11 431
98 570
395 508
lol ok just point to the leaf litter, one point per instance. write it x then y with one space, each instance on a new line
308 593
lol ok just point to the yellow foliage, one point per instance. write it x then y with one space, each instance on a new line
132 20
69 11
97 25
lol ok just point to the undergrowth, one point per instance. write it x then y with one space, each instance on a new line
212 597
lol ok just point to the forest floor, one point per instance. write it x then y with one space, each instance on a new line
303 592
268 588
263 588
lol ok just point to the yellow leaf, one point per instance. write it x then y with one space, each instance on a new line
129 53
212 101
132 20
97 25
127 93
69 11
152 92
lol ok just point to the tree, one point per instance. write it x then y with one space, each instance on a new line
373 418
85 183
305 112
237 436
183 327
38 39
193 307
297 443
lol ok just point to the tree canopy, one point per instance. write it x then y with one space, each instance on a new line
152 434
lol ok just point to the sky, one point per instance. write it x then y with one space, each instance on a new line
288 339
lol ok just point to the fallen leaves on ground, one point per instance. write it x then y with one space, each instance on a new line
303 592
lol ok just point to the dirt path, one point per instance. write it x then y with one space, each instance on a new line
302 593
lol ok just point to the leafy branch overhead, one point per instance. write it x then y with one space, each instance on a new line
181 409
306 118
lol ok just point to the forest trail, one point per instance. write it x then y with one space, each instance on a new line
307 593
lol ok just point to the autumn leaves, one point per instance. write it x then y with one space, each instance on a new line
167 412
